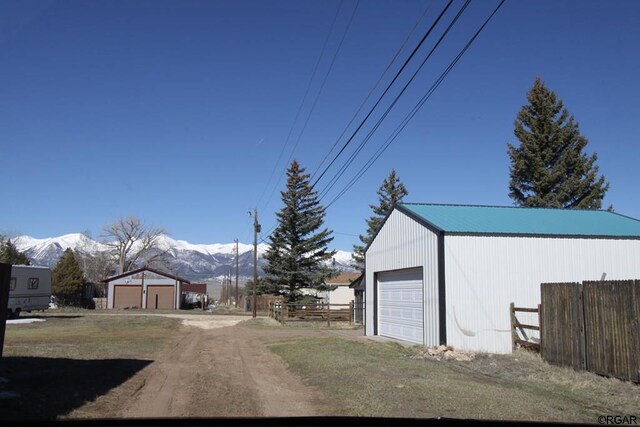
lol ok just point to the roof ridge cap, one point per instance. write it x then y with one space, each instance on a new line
508 207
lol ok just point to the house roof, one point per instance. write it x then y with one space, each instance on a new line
358 283
343 278
199 288
141 269
467 219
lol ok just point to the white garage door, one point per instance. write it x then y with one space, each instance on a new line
401 305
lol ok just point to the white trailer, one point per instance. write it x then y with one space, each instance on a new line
29 289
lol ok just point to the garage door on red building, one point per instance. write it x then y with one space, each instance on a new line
127 296
160 297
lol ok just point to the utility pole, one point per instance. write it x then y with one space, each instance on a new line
256 230
237 270
228 288
222 299
230 292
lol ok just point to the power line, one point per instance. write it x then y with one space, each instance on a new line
304 98
420 19
375 86
353 155
406 62
415 109
404 65
326 75
345 234
315 101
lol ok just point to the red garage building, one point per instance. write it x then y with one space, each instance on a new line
144 288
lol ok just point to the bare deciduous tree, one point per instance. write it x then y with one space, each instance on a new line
132 241
96 263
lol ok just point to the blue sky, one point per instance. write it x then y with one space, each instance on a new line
178 111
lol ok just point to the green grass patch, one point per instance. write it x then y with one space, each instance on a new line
383 380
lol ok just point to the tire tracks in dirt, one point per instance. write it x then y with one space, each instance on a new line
221 372
161 382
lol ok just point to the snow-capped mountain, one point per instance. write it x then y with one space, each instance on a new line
196 262
47 251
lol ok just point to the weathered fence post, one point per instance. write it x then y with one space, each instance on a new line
351 312
328 316
514 334
540 325
284 313
582 342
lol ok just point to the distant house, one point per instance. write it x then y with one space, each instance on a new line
145 288
339 291
194 295
446 274
358 287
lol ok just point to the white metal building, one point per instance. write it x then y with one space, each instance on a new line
446 274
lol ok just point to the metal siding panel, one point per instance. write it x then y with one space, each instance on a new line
403 243
485 274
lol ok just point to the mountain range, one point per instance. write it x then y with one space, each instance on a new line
194 262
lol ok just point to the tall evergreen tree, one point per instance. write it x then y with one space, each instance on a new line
391 192
67 280
9 254
548 168
298 255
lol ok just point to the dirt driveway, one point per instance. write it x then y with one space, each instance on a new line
216 366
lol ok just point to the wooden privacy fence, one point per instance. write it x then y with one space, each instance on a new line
286 312
592 326
518 329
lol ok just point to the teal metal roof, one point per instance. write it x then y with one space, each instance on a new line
511 220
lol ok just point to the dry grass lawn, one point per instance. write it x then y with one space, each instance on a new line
75 362
386 380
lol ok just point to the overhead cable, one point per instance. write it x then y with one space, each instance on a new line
414 111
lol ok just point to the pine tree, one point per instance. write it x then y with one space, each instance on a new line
261 287
298 255
548 168
67 279
9 254
391 192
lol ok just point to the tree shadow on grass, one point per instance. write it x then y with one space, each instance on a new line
50 387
